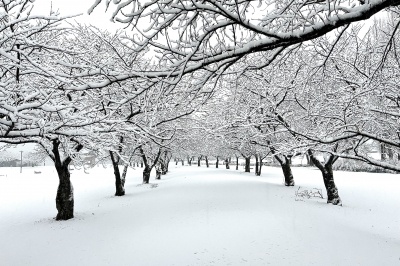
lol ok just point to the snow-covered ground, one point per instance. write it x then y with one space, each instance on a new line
199 216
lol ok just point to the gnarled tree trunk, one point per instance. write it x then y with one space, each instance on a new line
65 194
148 165
119 181
164 167
207 161
158 173
146 175
327 175
247 164
65 190
286 169
256 166
164 162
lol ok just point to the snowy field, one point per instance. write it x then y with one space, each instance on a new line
199 216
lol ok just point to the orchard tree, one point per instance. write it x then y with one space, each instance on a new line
42 98
31 109
371 77
150 154
359 103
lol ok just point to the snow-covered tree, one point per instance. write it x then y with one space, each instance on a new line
214 35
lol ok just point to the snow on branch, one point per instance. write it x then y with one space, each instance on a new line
191 35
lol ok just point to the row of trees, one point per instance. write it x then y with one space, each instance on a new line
75 88
337 96
225 82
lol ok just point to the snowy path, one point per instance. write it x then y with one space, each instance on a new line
199 216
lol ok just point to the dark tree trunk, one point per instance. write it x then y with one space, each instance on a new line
287 172
164 168
216 164
207 161
141 164
183 163
176 162
164 162
147 165
289 159
65 194
286 169
227 163
247 164
327 175
158 174
119 181
258 171
256 167
65 191
199 161
119 186
237 163
331 189
146 175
